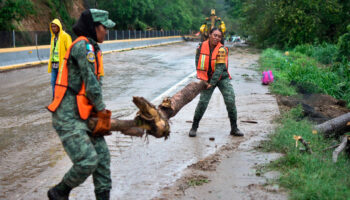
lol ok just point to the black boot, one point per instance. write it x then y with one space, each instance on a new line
59 192
102 195
236 132
193 132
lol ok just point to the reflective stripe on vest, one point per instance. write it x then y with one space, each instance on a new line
204 59
61 85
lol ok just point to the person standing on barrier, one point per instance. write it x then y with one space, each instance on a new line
60 42
78 96
212 66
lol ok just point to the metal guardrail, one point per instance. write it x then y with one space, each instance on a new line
13 38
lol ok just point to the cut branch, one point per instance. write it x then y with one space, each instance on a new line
306 145
331 147
340 148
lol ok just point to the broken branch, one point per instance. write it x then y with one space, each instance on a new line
340 148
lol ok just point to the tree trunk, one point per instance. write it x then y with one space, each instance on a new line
155 121
171 106
334 124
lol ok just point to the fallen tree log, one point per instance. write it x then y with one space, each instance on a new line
155 121
334 124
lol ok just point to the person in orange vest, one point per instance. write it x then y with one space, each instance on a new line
212 66
78 96
60 42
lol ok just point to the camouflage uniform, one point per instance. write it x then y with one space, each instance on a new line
225 88
90 155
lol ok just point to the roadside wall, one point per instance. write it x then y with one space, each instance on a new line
13 58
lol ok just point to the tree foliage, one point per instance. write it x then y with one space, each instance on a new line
59 10
344 46
287 23
14 10
157 14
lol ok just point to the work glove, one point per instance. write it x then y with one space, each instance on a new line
103 125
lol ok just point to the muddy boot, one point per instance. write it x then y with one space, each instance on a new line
193 132
59 192
236 132
102 195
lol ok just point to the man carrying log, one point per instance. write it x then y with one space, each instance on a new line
78 95
212 66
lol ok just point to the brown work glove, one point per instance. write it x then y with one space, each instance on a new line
103 125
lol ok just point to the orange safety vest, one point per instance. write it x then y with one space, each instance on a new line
61 85
204 59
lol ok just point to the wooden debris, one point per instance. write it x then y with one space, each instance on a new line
155 120
306 144
331 147
340 148
249 121
334 124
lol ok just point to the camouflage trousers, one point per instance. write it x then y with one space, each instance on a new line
90 155
227 92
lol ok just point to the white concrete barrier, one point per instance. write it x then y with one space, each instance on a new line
14 58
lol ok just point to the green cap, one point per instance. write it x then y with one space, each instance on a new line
102 17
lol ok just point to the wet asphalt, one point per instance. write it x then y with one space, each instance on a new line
32 158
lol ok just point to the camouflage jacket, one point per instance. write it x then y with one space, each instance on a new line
81 69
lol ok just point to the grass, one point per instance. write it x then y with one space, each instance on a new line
302 70
307 176
197 182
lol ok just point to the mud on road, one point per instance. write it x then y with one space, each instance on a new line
33 159
233 171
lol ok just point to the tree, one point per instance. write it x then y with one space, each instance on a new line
287 23
14 10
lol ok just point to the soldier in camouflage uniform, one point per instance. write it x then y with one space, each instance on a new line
90 155
215 72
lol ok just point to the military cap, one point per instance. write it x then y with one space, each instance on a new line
102 17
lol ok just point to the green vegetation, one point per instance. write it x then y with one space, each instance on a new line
197 182
128 14
319 68
59 10
14 10
308 71
285 24
307 176
158 14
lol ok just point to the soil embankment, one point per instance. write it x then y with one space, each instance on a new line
43 15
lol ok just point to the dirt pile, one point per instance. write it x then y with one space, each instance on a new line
41 20
317 107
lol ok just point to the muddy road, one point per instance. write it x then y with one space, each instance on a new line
32 158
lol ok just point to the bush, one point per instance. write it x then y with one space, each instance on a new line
344 46
324 53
